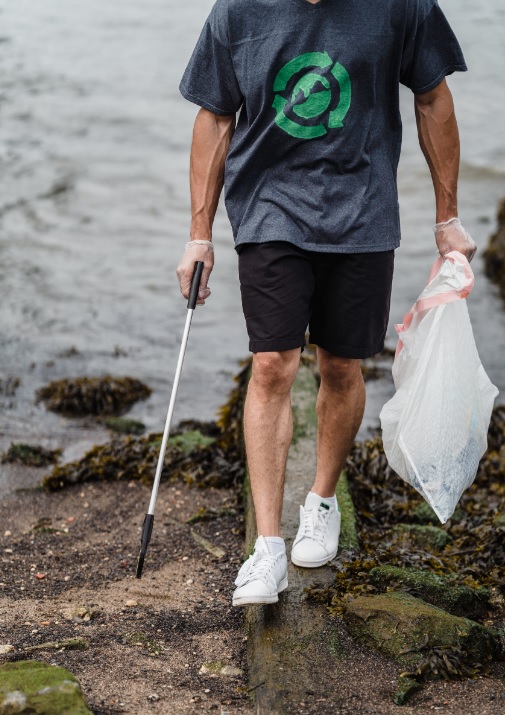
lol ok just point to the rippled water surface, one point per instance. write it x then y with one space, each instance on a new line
94 205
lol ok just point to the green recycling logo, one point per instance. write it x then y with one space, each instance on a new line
311 95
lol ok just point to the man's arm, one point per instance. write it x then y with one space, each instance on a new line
439 139
212 135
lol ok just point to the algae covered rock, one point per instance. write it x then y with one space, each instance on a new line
93 395
438 590
29 686
425 535
494 255
200 457
30 455
401 626
124 425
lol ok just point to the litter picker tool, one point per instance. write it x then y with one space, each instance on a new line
147 528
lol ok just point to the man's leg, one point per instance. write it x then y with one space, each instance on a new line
268 429
340 406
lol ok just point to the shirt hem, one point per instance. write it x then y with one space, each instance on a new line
203 102
435 82
325 248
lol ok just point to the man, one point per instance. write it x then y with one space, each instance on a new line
309 172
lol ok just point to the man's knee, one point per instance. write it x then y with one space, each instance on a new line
338 373
274 372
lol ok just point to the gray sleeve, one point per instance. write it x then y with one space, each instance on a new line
209 79
431 52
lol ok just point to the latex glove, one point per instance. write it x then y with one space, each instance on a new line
196 251
451 236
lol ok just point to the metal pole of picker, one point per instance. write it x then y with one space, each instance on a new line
147 528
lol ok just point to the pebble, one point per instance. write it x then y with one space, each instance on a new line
131 603
189 581
230 670
40 575
7 533
6 648
67 578
154 697
8 551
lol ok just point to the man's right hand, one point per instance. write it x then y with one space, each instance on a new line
196 251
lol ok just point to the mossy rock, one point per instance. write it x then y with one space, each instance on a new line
30 455
401 626
438 590
406 687
124 425
29 686
188 441
348 530
424 514
93 395
425 535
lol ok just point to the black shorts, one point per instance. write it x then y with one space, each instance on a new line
344 298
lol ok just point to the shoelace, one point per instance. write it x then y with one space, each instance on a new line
314 525
258 566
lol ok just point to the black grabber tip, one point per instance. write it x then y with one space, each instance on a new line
147 530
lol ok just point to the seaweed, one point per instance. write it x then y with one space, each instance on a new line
202 454
93 395
448 662
30 455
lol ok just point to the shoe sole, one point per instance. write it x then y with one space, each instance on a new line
258 600
313 564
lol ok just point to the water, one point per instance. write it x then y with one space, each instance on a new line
94 207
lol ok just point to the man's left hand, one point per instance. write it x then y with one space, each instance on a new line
451 236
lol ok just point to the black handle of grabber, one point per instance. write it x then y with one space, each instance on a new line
195 284
147 530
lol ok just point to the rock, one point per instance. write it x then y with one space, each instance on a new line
14 702
80 614
348 530
400 626
427 536
219 667
424 514
29 686
68 644
216 551
31 455
124 425
6 648
494 255
93 395
212 667
230 670
131 603
406 687
438 590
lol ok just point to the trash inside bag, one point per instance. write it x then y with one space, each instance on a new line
435 427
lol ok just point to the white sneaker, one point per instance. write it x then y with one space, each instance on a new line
316 542
262 577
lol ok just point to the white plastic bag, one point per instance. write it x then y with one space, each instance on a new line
435 427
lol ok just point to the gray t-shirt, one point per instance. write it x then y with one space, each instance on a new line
314 155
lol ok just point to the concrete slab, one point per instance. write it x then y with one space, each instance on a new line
281 635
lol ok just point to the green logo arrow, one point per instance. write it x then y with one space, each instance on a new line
311 95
